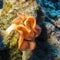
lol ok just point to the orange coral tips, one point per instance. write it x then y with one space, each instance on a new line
28 30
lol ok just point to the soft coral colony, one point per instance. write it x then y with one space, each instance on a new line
28 30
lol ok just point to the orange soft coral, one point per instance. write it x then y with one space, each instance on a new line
28 30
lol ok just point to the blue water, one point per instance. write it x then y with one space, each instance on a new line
1 4
1 43
50 7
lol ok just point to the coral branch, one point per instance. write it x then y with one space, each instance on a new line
28 30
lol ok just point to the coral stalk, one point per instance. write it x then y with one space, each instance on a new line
28 30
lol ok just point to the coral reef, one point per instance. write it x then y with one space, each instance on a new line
47 43
9 13
52 22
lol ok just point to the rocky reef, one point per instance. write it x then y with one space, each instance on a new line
47 14
52 20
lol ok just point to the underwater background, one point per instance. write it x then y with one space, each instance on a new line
48 43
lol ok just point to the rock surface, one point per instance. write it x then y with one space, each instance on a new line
48 43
